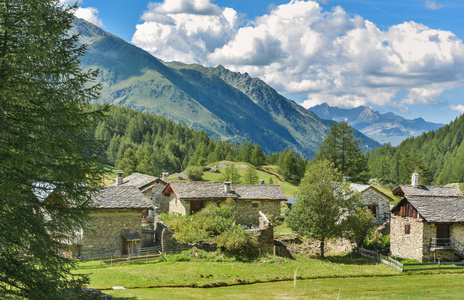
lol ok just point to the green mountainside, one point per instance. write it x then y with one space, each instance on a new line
437 155
229 106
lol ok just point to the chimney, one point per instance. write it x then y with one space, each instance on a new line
119 177
415 179
228 186
261 181
164 176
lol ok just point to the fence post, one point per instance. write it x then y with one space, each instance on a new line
439 264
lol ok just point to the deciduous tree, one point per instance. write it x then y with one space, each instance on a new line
323 202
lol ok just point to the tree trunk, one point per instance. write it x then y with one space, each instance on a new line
322 248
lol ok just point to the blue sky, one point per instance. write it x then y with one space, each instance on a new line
401 56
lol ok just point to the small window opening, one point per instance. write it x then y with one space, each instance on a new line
407 229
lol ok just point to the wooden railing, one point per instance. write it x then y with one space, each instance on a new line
385 259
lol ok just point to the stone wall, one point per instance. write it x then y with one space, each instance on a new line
383 205
407 245
102 234
157 198
170 245
249 215
265 237
180 207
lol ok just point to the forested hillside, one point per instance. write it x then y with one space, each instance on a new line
142 142
229 106
437 155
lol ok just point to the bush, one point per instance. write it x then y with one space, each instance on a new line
237 241
377 241
194 173
209 222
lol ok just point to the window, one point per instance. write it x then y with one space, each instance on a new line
373 209
407 229
256 204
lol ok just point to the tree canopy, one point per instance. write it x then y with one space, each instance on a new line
323 203
342 150
45 145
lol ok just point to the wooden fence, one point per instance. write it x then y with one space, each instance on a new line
120 260
402 267
385 259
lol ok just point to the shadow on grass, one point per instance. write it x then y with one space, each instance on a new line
347 259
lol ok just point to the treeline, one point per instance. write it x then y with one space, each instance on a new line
438 156
141 142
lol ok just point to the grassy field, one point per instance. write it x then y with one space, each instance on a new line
199 273
336 277
443 286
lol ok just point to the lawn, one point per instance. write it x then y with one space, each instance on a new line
443 286
199 273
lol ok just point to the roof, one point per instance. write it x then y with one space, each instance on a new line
291 200
121 197
42 190
422 190
359 187
131 235
437 208
139 180
215 190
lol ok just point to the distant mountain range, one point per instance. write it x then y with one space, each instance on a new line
384 128
227 105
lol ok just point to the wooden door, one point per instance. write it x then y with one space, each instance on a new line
443 234
195 206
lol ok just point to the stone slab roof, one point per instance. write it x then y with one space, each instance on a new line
121 197
422 190
139 180
438 209
359 187
215 190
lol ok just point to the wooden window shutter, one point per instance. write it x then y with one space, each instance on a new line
407 229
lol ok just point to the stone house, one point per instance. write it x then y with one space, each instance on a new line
428 223
114 228
186 198
376 201
152 187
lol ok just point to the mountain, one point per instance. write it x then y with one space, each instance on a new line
384 128
438 156
227 105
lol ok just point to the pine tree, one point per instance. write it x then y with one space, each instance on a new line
342 150
251 176
45 141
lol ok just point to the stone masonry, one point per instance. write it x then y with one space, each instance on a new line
406 245
249 215
102 235
371 197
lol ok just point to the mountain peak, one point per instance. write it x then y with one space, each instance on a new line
385 128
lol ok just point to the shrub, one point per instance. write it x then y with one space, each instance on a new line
194 173
377 241
237 241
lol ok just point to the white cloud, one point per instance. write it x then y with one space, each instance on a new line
459 108
89 14
431 4
298 48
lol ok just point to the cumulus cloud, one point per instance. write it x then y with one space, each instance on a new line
185 30
89 14
459 108
301 49
431 4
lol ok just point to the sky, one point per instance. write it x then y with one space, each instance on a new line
403 56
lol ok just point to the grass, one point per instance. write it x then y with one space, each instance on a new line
448 286
207 274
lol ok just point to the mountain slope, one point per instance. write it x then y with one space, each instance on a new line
210 99
437 155
385 128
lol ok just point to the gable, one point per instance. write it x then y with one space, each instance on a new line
405 209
